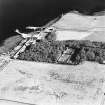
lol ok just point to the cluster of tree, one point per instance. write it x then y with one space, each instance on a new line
42 51
91 54
49 51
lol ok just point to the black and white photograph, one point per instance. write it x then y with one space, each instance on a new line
52 52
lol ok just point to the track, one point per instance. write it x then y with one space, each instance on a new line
15 102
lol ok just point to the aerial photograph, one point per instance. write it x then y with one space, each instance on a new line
52 52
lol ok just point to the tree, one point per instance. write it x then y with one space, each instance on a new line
90 56
82 55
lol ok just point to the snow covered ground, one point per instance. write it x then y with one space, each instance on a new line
97 34
71 35
80 22
49 84
74 26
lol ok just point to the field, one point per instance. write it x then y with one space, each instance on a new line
71 35
30 82
74 26
96 36
80 22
